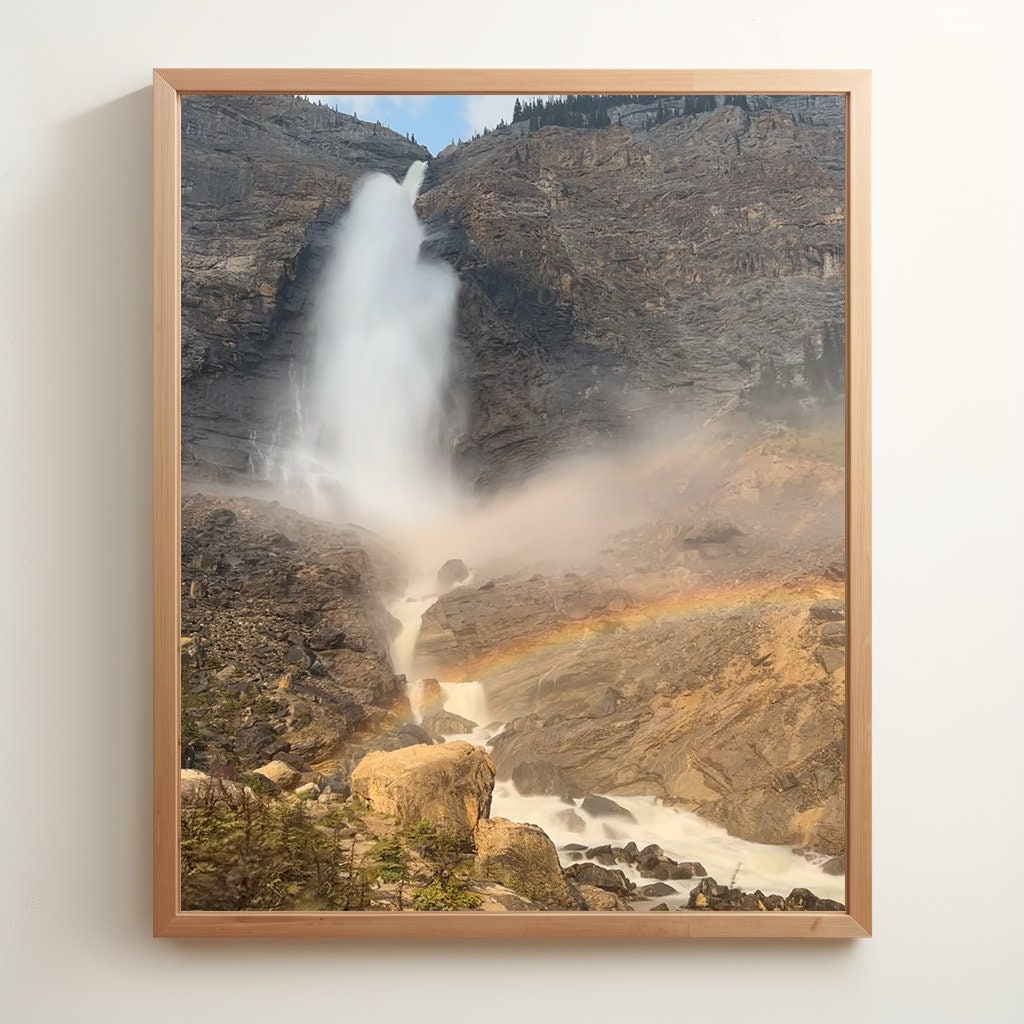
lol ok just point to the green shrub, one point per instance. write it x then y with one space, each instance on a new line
244 852
453 896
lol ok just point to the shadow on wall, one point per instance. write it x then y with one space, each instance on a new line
83 281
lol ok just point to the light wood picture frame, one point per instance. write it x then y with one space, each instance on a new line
170 86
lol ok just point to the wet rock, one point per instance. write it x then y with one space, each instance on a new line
611 880
452 573
570 820
426 696
439 724
657 907
835 865
709 895
687 870
602 807
544 778
657 889
406 735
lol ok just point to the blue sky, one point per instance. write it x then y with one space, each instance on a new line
434 120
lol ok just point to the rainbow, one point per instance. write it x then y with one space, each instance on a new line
640 614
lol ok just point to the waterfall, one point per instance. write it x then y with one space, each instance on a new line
374 415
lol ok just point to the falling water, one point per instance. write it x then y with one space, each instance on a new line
383 321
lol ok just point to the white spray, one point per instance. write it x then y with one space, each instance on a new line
383 325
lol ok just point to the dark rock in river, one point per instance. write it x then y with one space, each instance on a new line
656 889
603 878
543 778
438 724
602 807
452 573
835 866
709 895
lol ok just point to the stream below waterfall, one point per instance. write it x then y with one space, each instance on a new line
683 836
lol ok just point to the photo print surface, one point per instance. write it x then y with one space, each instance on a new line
513 551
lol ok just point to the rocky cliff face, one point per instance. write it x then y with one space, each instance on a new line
284 637
264 179
609 273
700 659
605 272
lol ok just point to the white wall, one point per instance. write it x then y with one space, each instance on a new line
74 832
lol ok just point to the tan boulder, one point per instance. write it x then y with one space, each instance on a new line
197 785
522 858
448 785
600 899
279 774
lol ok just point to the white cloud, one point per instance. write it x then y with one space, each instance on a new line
483 112
375 107
366 108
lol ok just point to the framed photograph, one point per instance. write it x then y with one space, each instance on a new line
512 503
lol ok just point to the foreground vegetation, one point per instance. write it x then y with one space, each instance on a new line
242 850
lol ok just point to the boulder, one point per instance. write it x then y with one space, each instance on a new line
406 735
522 858
835 865
604 878
197 784
439 724
709 895
448 785
543 778
833 634
601 899
310 791
688 869
279 774
831 659
602 807
833 610
656 889
452 573
570 821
